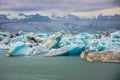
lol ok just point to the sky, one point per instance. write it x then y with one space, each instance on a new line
65 5
80 8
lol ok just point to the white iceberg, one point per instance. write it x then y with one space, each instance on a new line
53 41
20 48
116 34
71 50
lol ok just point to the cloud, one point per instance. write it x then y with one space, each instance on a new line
117 2
67 5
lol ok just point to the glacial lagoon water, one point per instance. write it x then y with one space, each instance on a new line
55 68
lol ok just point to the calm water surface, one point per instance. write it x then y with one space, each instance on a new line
55 68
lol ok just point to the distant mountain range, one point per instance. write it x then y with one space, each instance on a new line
114 17
40 18
66 17
62 13
35 18
56 20
49 15
3 18
28 18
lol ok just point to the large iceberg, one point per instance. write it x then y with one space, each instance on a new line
31 44
71 50
53 41
20 48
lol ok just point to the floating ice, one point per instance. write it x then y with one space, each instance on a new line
20 48
67 50
38 50
86 35
23 43
53 41
116 34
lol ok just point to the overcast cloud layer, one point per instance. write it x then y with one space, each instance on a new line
67 5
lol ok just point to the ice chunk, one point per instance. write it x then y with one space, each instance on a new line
15 48
53 41
66 40
116 34
38 50
42 36
4 46
101 56
116 44
86 35
21 33
19 38
3 35
99 45
84 41
20 48
67 50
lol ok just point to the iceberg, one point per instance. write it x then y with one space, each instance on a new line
53 41
15 48
3 35
4 46
73 39
86 35
71 50
42 36
102 44
66 40
20 48
21 33
116 34
101 56
19 38
38 50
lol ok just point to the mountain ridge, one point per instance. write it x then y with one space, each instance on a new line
61 13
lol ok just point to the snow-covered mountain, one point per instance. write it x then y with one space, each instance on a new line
34 18
63 15
27 18
3 18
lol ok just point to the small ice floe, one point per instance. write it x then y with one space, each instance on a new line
71 50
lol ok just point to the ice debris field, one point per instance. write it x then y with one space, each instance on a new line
58 44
